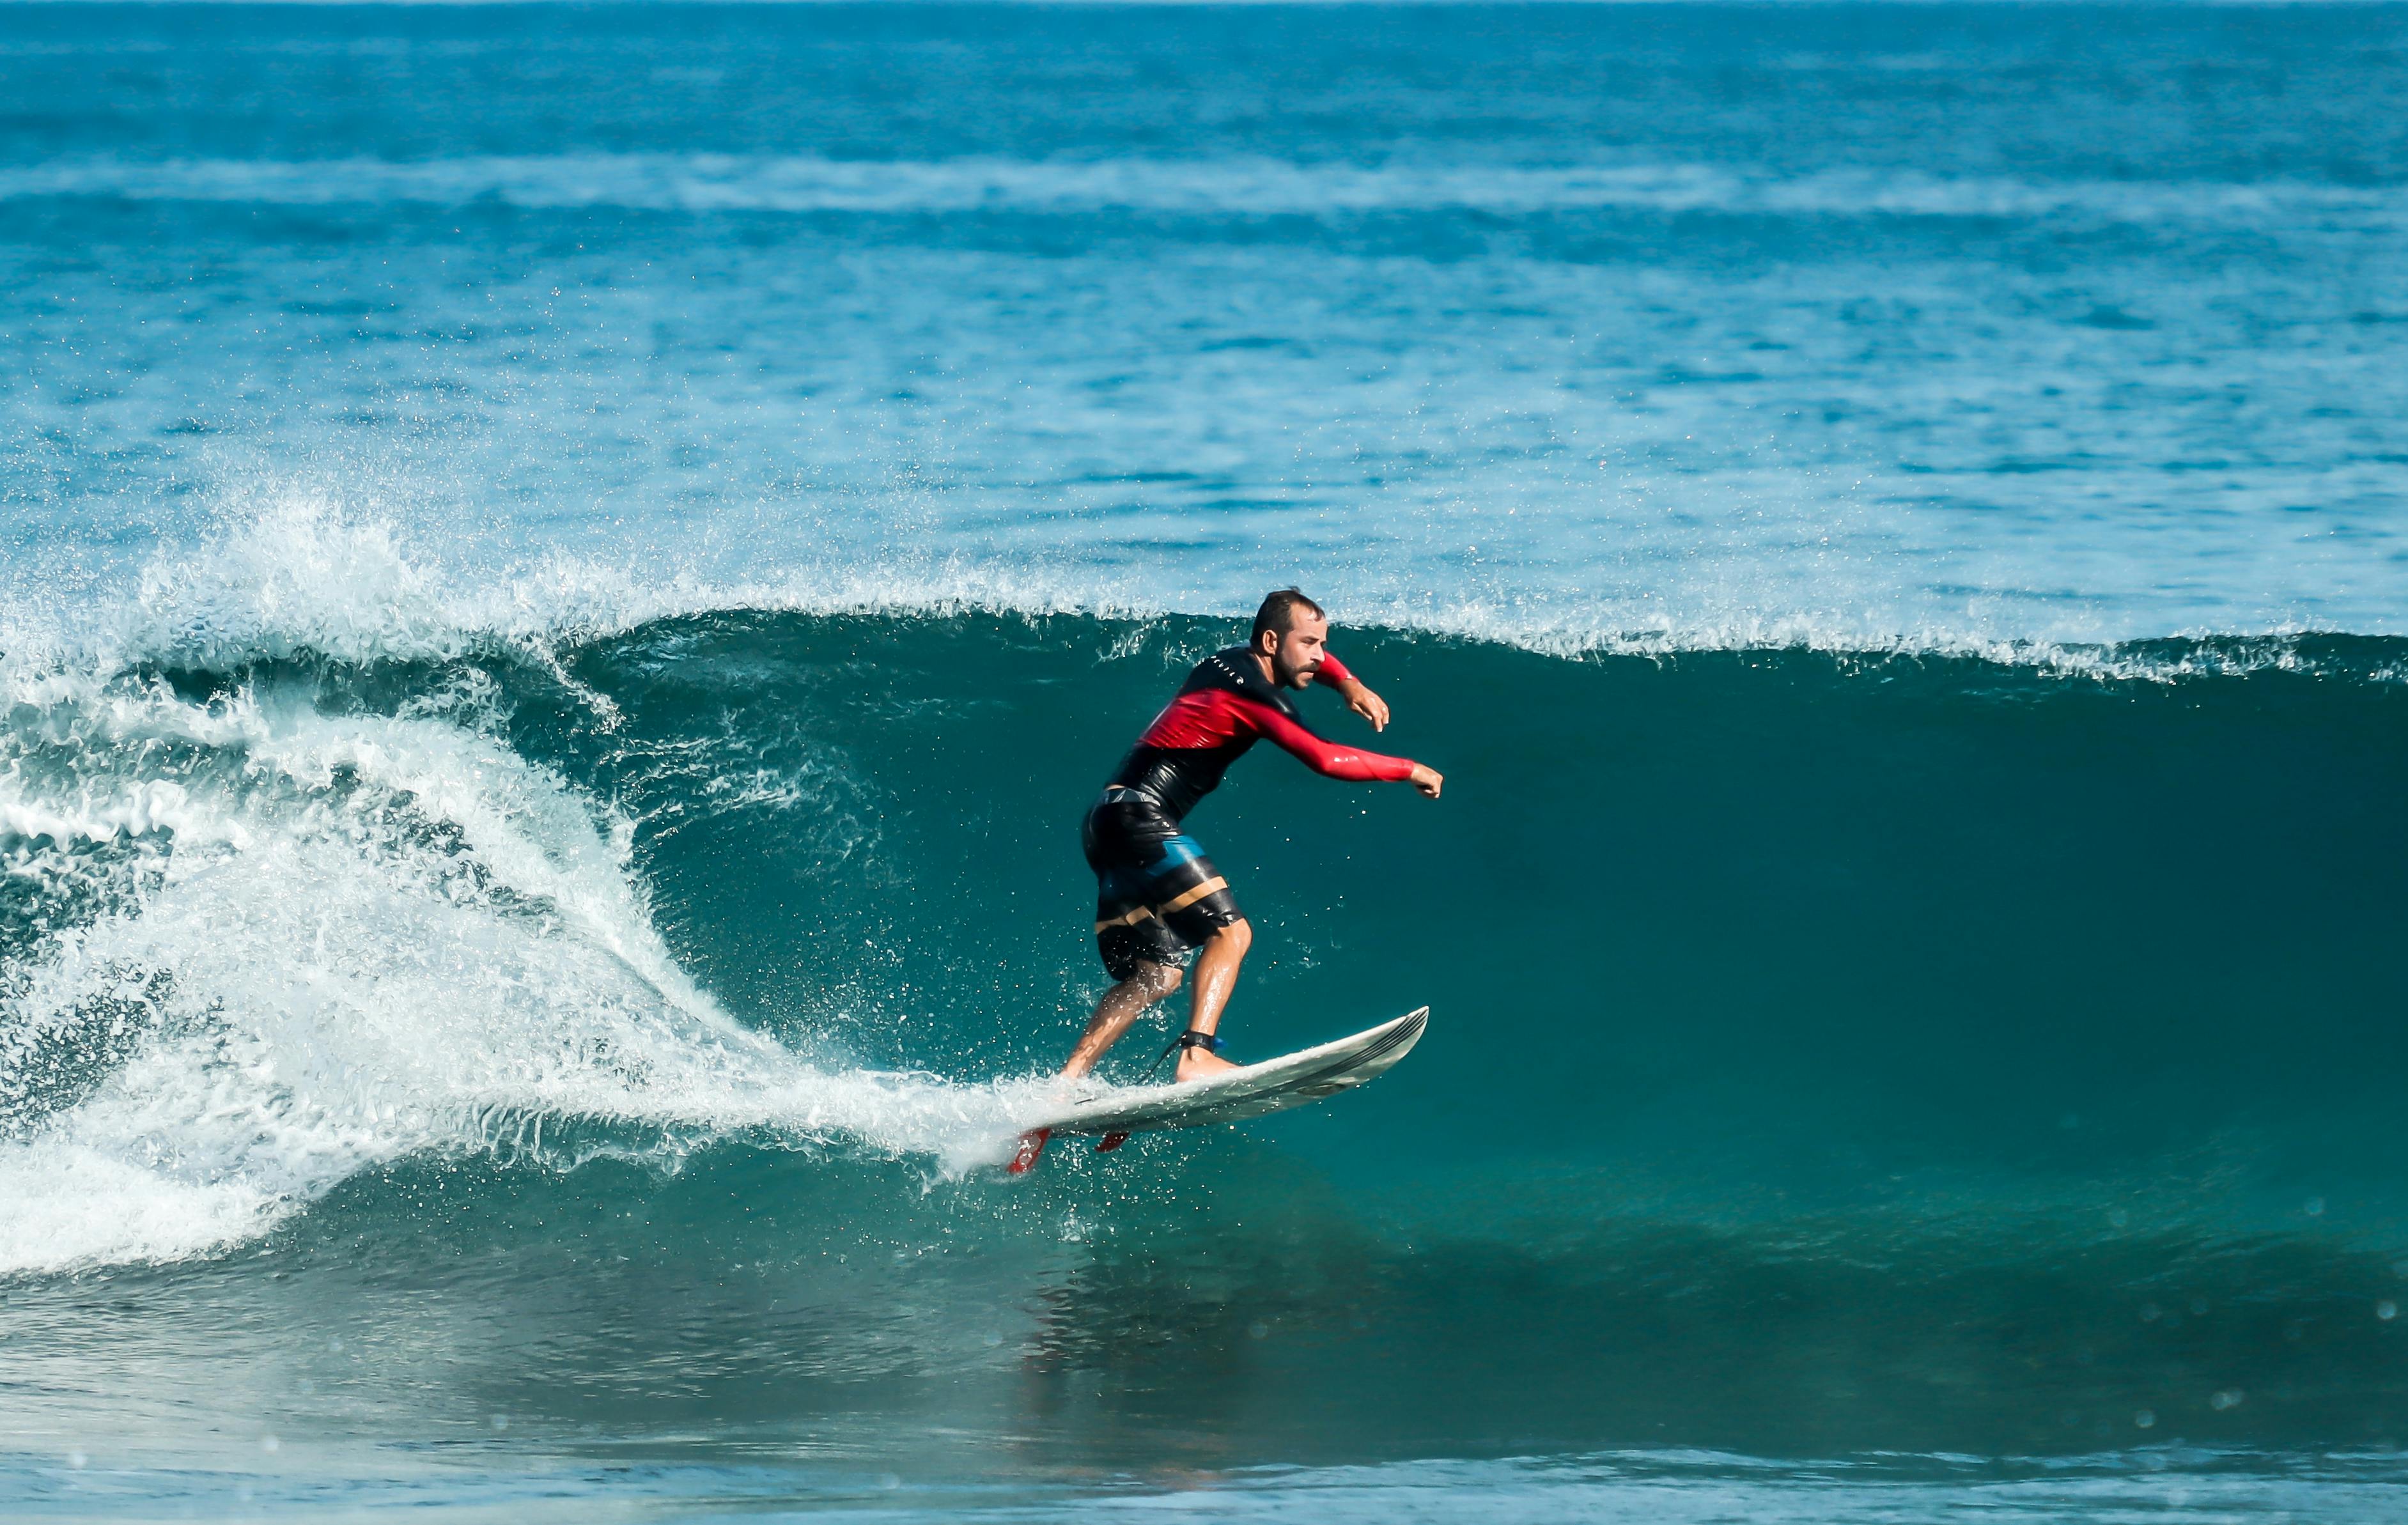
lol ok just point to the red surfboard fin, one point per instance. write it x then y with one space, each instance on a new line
1032 1143
1110 1142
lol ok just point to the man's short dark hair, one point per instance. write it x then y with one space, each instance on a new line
1278 613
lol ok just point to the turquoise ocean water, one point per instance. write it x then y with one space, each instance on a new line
566 574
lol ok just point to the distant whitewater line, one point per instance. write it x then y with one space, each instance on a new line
799 184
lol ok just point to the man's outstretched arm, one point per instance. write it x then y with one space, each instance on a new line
1336 762
1359 699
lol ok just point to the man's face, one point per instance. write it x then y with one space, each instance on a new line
1297 655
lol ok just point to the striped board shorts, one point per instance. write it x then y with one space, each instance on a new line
1157 896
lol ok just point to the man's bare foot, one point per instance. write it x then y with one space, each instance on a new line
1195 1064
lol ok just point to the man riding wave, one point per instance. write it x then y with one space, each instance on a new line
1157 895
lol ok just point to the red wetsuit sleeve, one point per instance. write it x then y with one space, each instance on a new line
1332 671
1324 757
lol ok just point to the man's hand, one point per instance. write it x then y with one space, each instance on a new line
1363 702
1428 779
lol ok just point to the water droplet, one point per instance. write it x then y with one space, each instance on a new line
1259 1330
2314 1207
2147 1418
78 1460
888 1481
269 1443
501 1421
2387 1310
2229 1398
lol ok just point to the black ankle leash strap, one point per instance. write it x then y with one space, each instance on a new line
1189 1039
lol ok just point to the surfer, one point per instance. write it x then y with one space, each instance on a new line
1157 895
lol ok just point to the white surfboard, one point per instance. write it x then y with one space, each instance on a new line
1250 1090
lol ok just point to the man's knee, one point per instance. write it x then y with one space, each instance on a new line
1237 936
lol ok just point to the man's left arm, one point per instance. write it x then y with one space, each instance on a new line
1362 701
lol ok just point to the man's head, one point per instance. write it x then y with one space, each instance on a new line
1290 632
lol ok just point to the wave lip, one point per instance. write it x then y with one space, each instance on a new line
800 184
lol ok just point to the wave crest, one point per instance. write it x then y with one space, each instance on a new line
304 576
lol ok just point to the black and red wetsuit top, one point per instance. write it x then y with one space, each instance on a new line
1224 707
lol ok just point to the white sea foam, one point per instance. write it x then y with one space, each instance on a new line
359 937
796 184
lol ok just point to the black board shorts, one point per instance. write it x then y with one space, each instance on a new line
1157 896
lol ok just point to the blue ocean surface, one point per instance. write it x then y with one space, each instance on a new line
567 573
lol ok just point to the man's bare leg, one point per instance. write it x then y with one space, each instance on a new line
1121 1005
1216 976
